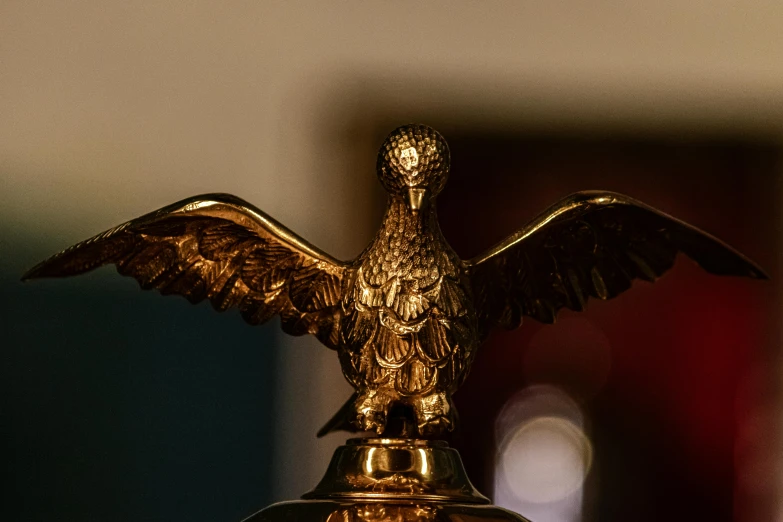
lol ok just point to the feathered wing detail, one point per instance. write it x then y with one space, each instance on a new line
590 244
221 248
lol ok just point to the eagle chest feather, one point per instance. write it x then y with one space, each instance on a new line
410 322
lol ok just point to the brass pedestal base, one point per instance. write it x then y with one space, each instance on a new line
391 480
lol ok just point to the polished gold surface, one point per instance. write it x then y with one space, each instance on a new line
407 315
394 511
376 469
391 480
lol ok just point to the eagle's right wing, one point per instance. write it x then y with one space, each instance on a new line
590 244
221 248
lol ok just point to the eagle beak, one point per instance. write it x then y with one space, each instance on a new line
417 198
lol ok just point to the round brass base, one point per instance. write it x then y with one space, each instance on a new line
408 469
391 480
382 511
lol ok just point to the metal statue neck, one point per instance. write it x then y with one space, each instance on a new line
398 214
396 469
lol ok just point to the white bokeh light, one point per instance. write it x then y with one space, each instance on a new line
543 455
545 460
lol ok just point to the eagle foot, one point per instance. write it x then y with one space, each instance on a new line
436 427
372 411
435 415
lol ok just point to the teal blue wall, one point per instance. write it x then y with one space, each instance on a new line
124 405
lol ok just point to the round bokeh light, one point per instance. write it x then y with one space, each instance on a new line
545 459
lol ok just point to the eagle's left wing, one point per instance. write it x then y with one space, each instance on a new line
221 248
590 244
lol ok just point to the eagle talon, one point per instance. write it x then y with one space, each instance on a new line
436 426
372 421
372 411
435 415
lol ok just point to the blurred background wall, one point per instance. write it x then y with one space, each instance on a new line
125 406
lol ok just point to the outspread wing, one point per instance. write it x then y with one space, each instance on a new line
590 244
221 248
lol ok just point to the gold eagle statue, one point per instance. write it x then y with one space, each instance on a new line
407 316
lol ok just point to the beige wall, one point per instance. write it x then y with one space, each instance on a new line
110 109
